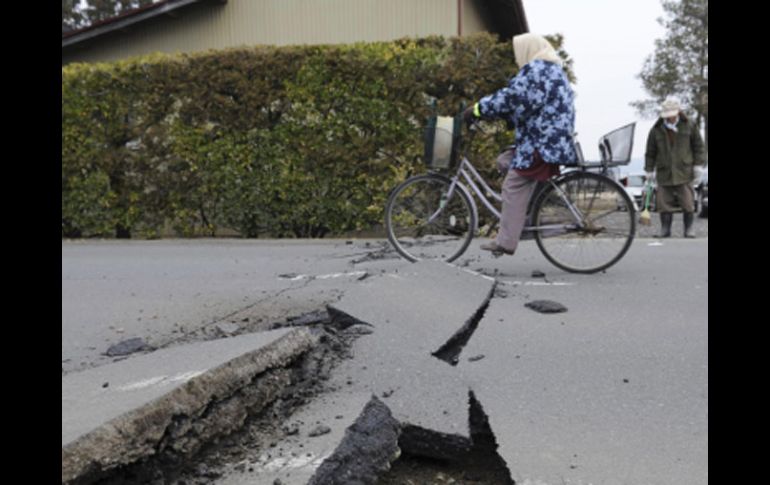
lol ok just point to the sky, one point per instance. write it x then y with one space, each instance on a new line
608 41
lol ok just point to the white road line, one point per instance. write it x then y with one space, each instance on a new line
152 381
323 276
537 283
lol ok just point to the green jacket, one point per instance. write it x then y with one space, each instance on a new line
673 164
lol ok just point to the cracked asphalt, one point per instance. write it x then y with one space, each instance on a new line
614 390
165 291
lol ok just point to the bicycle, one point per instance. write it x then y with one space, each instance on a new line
581 220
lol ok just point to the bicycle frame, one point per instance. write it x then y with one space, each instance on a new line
582 220
473 179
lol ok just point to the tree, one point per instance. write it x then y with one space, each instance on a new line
77 14
679 66
71 16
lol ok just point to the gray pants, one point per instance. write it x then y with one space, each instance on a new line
516 192
668 195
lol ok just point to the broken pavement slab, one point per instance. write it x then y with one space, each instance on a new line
294 459
369 447
590 400
413 313
361 441
120 413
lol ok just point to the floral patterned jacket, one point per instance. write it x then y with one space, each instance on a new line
539 103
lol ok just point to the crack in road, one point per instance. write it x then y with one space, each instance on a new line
192 447
385 251
428 454
180 455
211 330
450 351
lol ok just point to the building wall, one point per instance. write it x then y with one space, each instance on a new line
282 22
471 18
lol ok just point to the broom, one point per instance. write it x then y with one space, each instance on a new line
644 217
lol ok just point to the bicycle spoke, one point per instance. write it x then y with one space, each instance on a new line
602 236
423 224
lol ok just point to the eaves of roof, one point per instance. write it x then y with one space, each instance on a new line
126 19
507 17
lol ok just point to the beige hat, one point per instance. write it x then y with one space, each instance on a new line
669 108
528 47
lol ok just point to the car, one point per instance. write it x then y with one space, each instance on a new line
702 192
634 183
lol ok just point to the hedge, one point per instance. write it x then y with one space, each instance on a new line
301 141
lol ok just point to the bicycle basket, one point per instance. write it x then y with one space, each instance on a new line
615 147
442 142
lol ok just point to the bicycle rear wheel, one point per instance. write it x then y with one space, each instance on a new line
422 223
599 238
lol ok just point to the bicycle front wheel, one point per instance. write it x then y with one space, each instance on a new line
585 222
424 221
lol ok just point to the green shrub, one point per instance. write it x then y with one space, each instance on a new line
266 141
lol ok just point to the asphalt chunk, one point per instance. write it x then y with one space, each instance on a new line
546 306
127 347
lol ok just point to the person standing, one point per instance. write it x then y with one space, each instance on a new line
674 157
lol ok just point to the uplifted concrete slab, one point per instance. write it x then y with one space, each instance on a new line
117 413
413 312
579 400
319 430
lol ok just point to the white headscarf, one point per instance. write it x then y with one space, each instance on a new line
528 47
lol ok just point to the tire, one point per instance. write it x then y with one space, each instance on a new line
412 203
607 231
704 211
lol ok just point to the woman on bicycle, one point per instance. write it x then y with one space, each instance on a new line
539 103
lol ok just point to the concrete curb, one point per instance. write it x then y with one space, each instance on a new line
206 405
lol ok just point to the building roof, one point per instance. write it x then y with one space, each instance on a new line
126 19
506 17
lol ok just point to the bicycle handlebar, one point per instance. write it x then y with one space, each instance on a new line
473 128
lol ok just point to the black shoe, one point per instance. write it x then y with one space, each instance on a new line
496 249
665 224
688 232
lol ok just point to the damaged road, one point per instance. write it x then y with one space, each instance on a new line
168 292
454 370
172 401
